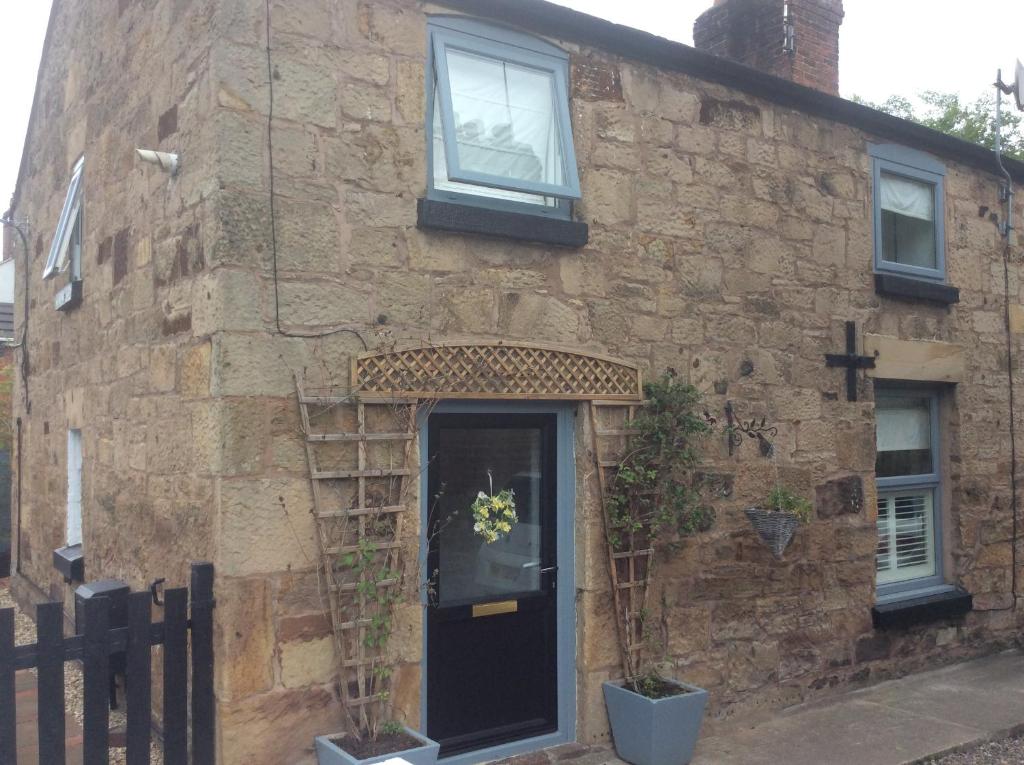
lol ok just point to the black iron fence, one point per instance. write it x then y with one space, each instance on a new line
186 610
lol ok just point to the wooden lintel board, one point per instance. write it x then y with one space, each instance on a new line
916 360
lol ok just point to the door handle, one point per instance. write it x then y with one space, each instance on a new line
548 570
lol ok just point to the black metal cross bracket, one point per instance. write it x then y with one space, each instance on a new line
850 360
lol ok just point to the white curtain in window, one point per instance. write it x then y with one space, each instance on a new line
505 118
903 426
906 197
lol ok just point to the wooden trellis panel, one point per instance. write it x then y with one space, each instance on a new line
361 494
500 370
630 568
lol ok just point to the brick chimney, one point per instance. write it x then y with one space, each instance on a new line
797 40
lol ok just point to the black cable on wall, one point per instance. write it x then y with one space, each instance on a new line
273 212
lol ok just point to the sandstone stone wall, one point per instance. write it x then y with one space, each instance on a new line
130 366
730 239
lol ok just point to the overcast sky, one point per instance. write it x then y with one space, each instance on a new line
886 47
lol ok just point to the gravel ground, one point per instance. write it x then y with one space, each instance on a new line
1009 751
25 632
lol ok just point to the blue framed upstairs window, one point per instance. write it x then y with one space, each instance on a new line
499 133
909 213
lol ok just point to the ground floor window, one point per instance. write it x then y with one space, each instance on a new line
908 474
74 522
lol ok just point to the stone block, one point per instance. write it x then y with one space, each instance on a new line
269 523
244 637
362 101
195 371
163 368
321 303
255 365
293 717
541 317
307 662
840 496
872 648
608 197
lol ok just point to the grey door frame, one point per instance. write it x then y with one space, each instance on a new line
565 639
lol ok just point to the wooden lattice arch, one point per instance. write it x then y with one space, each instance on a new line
497 371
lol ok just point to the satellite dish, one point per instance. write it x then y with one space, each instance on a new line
1018 86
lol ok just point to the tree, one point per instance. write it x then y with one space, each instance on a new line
974 122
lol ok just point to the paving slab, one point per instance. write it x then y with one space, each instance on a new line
899 722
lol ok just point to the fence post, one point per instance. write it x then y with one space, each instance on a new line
176 676
96 712
50 663
201 594
8 705
138 680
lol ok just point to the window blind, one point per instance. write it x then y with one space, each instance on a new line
906 537
906 197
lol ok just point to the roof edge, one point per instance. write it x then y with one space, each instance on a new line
565 23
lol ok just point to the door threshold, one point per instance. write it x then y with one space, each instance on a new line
509 749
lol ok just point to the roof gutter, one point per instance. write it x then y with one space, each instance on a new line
563 23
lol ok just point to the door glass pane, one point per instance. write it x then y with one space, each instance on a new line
505 118
903 435
471 569
908 221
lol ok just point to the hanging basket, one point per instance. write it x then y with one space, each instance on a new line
774 527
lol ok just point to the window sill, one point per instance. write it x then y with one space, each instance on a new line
468 219
912 609
70 562
895 286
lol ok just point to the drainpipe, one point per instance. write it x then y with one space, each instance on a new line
1005 229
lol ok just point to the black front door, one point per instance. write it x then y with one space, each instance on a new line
491 660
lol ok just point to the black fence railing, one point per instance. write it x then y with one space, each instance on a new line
184 612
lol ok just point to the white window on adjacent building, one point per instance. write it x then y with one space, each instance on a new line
74 523
907 471
66 248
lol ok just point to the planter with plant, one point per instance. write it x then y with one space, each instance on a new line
651 499
778 517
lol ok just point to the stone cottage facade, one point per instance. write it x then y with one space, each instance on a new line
706 217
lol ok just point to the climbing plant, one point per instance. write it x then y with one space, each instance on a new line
653 497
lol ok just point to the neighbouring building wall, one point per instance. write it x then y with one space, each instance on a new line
129 367
730 239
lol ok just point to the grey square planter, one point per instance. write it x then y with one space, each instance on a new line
655 731
331 754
